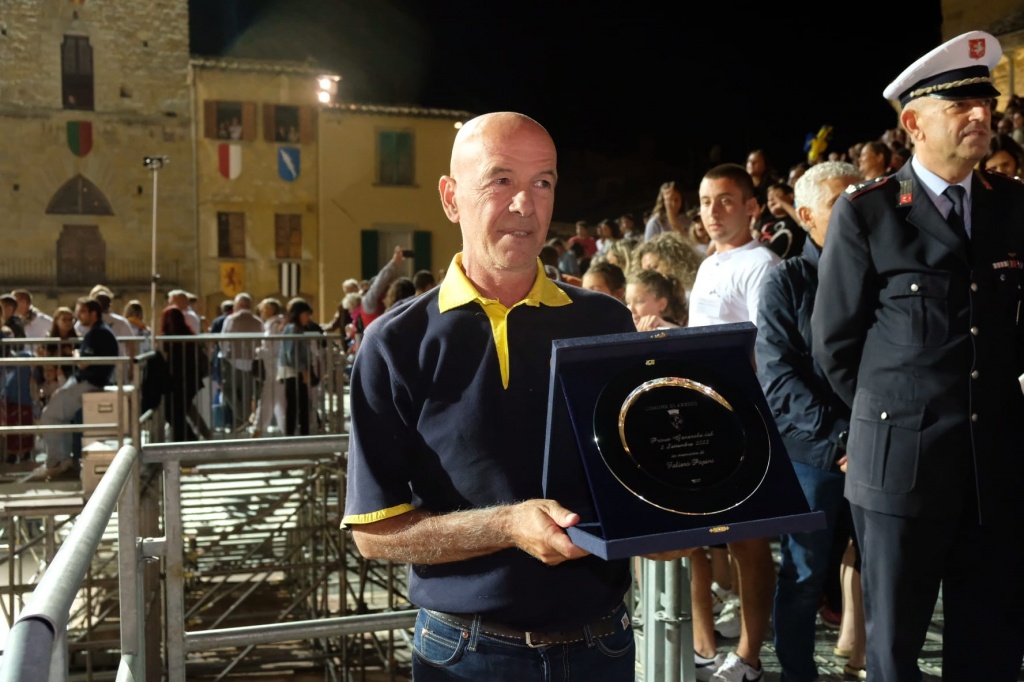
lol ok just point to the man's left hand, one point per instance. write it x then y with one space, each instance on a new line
538 528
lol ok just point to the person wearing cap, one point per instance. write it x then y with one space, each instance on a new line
918 327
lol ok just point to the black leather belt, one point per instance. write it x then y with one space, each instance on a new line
602 627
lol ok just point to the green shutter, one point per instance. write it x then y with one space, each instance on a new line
370 245
403 149
421 245
396 162
388 158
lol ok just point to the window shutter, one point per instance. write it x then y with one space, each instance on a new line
307 125
288 235
421 240
238 235
370 243
404 157
210 119
231 235
269 123
249 121
295 240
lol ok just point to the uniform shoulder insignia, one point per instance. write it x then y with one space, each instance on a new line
867 185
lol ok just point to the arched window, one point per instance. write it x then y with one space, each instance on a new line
79 196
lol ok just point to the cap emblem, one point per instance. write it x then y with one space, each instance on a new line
977 48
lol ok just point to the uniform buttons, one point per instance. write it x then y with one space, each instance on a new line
974 417
1002 278
974 374
914 287
974 286
884 415
974 330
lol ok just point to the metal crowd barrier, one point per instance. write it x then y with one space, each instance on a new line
235 386
211 386
20 377
37 647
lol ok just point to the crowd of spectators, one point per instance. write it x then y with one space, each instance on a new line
650 262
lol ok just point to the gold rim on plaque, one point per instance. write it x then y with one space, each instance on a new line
660 383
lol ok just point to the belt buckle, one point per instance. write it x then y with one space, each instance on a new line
529 641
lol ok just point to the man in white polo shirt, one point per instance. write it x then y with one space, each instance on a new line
727 289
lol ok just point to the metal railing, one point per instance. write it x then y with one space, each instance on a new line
239 386
26 377
37 646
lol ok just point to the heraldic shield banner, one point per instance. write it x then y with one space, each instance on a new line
80 137
229 160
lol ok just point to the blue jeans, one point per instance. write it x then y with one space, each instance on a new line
802 574
443 652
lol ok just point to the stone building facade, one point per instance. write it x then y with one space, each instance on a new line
257 166
87 90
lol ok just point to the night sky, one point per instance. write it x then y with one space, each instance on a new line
662 88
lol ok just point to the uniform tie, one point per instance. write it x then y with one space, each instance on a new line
955 193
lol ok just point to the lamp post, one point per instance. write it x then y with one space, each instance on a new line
154 164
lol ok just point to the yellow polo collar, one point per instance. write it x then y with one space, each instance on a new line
456 290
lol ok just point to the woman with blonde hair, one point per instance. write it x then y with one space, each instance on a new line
671 255
655 300
621 254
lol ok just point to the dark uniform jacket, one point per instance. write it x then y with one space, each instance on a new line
922 334
807 411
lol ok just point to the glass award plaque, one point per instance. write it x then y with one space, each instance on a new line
664 441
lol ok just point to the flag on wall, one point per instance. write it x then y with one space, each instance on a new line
288 163
290 276
80 137
230 160
232 278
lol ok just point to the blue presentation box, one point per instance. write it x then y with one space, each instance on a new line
664 441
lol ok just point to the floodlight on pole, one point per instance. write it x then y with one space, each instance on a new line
328 85
154 163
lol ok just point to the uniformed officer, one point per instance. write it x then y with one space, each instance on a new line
917 325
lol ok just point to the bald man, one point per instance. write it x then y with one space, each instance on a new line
447 445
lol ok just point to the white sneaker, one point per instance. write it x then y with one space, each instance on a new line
720 597
60 469
704 668
735 669
728 624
